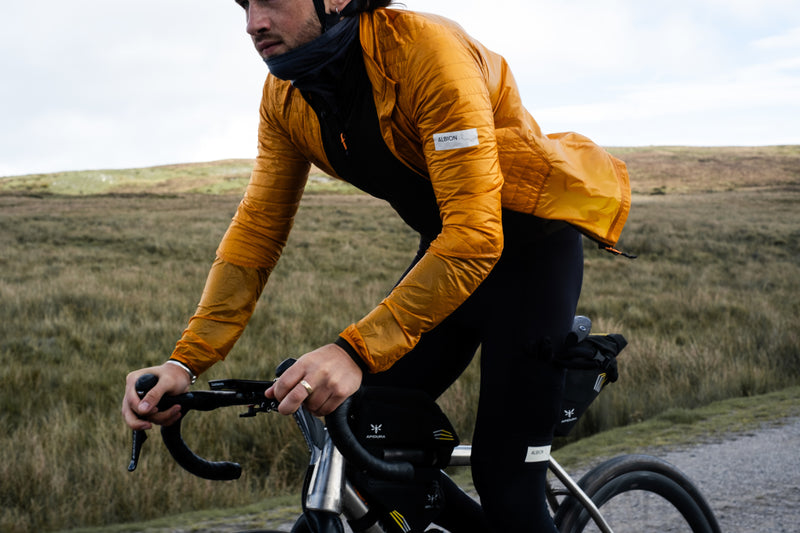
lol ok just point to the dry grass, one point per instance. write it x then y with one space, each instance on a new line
93 286
216 177
671 169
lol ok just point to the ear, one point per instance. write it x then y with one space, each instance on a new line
336 6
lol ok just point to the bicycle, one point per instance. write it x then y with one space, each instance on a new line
346 479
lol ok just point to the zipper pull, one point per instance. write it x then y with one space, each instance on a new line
343 138
614 251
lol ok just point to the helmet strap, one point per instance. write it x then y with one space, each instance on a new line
328 20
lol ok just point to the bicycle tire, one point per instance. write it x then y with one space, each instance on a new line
301 526
320 522
652 482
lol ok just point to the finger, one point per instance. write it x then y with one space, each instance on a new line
324 408
167 417
130 403
147 406
307 386
166 385
131 419
293 400
280 387
270 392
316 402
329 405
287 382
140 406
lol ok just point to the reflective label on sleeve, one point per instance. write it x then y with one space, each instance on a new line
537 454
455 139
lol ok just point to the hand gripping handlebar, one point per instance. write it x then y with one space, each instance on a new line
251 393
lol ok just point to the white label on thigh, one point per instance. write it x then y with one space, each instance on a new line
537 454
452 140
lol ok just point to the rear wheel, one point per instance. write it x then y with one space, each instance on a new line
318 522
300 526
638 493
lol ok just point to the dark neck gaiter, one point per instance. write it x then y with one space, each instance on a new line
307 65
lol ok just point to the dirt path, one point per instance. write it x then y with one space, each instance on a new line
752 481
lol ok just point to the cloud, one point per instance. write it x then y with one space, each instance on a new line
649 72
93 84
789 40
750 11
125 85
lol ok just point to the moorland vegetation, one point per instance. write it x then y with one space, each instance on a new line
100 270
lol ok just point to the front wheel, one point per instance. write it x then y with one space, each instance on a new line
318 522
639 493
311 522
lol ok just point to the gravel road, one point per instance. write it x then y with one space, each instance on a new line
752 481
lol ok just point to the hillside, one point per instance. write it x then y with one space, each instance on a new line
653 170
100 271
659 170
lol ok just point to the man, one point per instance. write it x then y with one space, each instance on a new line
356 87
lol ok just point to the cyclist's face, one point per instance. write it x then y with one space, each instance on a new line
277 26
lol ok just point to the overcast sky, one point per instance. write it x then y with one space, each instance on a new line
90 84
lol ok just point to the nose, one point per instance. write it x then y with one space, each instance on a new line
258 20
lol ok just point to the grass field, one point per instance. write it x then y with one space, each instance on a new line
98 276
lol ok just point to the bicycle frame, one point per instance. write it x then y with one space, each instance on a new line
462 457
329 491
329 495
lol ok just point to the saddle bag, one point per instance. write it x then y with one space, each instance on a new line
591 365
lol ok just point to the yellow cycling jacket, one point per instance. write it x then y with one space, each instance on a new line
449 109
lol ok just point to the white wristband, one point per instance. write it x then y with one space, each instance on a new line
185 367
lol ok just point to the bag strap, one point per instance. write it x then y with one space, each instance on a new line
595 351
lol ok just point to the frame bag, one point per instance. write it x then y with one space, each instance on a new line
406 425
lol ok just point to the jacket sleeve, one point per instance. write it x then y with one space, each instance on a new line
250 248
225 307
449 102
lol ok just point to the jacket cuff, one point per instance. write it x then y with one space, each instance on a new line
195 353
347 347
